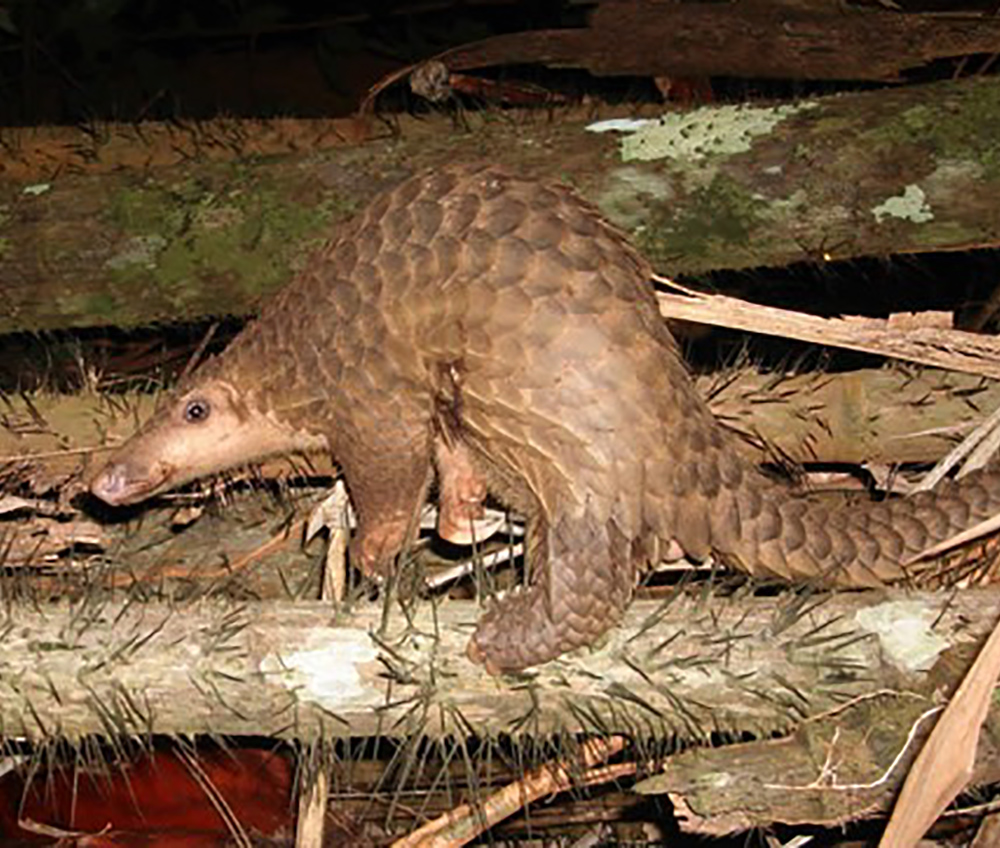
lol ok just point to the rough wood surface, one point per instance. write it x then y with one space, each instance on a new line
973 353
835 768
686 668
210 236
753 40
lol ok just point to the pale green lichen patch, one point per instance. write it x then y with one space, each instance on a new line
905 633
37 189
911 205
138 250
704 132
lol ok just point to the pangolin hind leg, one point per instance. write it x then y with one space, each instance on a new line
585 532
462 490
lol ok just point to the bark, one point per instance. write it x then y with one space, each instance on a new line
748 40
866 416
847 682
870 173
834 768
912 341
683 669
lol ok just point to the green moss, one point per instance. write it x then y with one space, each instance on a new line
962 124
240 227
6 245
934 234
723 214
101 303
104 306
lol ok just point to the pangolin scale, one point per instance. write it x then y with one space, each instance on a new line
498 327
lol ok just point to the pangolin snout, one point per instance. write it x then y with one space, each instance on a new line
115 485
111 483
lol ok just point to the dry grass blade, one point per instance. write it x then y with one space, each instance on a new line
221 806
463 824
944 764
978 447
981 440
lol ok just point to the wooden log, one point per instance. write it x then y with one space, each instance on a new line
721 187
752 40
834 768
683 669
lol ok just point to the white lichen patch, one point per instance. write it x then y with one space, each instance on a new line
619 125
704 132
324 668
904 630
138 250
911 205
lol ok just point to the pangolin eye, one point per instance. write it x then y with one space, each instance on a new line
196 411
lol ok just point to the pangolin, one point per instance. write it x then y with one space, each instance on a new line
497 327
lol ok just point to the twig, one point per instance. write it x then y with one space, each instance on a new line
466 822
820 783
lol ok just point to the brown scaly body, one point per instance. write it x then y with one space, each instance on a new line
496 323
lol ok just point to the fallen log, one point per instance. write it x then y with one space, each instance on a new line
683 669
719 187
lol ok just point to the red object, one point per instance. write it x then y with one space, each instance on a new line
155 800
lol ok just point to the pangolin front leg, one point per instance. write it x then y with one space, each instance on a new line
581 592
388 485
